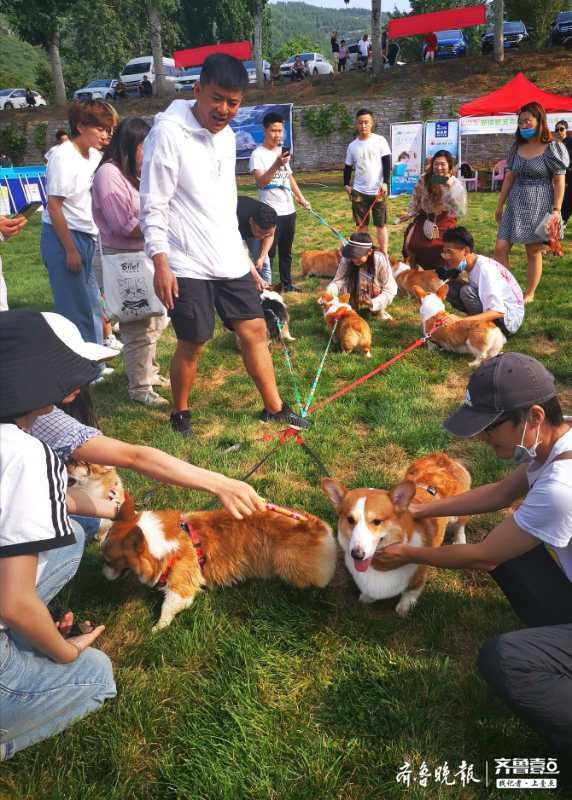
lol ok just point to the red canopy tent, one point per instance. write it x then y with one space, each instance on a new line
512 96
195 56
437 21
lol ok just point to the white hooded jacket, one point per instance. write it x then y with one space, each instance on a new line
188 197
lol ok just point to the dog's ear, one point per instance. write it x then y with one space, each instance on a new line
443 291
419 292
334 491
127 509
402 494
135 540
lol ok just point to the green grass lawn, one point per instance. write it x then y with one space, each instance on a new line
261 691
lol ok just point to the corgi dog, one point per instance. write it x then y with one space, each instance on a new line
370 519
97 481
482 339
407 277
352 330
275 312
181 554
321 263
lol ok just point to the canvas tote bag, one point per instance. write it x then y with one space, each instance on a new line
128 286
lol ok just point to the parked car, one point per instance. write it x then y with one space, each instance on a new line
98 89
187 79
513 34
16 98
561 30
314 63
250 67
450 44
136 68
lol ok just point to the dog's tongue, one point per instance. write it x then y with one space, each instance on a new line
362 565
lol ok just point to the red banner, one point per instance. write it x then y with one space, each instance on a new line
437 21
195 56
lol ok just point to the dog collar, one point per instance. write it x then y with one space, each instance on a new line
431 489
201 558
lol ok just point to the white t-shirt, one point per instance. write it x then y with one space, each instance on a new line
498 290
33 515
546 511
70 175
277 193
365 156
363 46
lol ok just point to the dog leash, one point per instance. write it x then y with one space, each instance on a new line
314 385
377 199
296 390
324 222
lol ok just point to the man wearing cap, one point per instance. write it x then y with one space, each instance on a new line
511 405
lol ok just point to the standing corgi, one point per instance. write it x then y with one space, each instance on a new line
321 263
406 278
370 519
352 330
482 339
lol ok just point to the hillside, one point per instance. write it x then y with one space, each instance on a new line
18 60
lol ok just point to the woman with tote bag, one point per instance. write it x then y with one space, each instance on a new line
126 276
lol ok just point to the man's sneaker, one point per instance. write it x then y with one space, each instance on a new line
287 417
181 422
149 398
113 342
295 289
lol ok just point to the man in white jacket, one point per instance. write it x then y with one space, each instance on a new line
188 218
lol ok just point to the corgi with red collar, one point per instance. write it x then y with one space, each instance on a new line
352 330
370 519
181 554
407 277
460 334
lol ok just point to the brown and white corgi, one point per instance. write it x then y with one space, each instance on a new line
370 519
184 553
352 330
97 481
482 339
407 277
321 263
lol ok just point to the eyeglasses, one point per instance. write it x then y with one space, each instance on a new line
561 129
497 423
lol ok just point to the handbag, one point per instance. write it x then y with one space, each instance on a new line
541 231
128 287
430 230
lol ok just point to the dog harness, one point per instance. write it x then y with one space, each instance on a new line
201 558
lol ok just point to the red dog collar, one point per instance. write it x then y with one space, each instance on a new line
201 558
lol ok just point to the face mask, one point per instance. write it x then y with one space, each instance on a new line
462 265
527 133
522 454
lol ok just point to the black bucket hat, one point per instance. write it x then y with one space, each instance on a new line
37 368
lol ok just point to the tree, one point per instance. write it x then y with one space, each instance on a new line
257 10
536 14
155 8
299 44
40 22
499 40
376 37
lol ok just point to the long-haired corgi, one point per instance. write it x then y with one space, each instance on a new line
370 519
184 553
407 277
482 339
352 330
97 481
276 314
320 263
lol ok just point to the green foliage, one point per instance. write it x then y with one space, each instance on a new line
407 113
301 19
454 108
426 106
13 141
324 120
298 44
39 135
19 62
537 16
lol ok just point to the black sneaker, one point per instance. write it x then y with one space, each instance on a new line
287 416
181 422
295 289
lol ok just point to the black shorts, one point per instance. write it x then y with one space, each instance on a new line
193 315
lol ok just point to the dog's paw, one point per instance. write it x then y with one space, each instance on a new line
159 626
368 354
366 599
405 605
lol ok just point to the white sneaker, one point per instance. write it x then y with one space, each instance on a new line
113 342
151 399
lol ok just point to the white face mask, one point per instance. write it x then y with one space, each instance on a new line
523 454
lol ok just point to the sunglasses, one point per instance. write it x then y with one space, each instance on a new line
560 129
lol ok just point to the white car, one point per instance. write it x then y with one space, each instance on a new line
99 89
187 79
314 64
250 67
16 98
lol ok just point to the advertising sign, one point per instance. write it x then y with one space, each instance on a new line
442 135
247 126
504 123
406 152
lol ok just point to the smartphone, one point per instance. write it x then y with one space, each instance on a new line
29 209
439 178
285 151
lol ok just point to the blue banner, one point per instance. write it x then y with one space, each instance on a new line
21 185
247 126
442 135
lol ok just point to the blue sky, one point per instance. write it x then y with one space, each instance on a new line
386 5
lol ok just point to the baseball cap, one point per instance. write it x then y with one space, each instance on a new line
69 334
356 247
503 383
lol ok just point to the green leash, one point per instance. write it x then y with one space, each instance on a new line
295 389
318 373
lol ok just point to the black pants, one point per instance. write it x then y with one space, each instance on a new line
567 202
531 669
283 239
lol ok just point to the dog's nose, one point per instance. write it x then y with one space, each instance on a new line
358 553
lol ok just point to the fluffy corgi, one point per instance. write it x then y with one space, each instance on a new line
184 553
370 519
407 277
275 312
321 263
99 482
352 331
482 339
